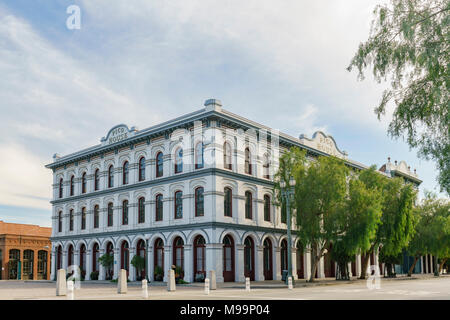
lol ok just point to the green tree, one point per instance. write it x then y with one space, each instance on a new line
418 246
139 263
319 193
397 221
107 261
410 43
359 219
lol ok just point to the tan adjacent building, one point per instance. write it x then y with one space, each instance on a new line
24 252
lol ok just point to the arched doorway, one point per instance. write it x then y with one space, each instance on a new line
228 259
14 264
178 256
83 261
300 264
249 258
42 265
28 263
110 268
140 251
283 255
199 259
158 261
125 256
95 256
70 256
267 257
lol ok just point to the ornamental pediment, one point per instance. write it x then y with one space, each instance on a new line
324 143
117 134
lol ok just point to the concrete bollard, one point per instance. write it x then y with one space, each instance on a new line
171 281
122 281
61 285
290 283
206 286
212 280
70 290
247 284
144 289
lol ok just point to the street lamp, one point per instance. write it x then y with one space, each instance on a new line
287 192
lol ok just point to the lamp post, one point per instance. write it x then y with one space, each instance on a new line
287 191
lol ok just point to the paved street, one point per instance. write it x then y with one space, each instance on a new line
416 288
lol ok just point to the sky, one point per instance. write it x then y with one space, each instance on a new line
280 63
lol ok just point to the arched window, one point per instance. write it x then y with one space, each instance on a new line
59 258
71 220
283 212
178 205
110 176
110 214
13 264
83 218
266 164
96 216
125 212
249 258
228 202
83 183
159 207
227 162
142 169
267 259
70 256
199 256
110 270
199 202
159 165
248 164
60 221
199 160
125 173
42 265
97 179
28 264
248 205
266 208
141 210
61 188
179 160
178 253
72 185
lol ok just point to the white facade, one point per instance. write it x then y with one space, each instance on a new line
211 126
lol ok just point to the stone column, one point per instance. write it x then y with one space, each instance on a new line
421 265
294 263
116 263
307 265
358 265
88 264
102 270
65 261
259 263
214 260
321 270
239 263
188 263
132 272
277 265
150 263
53 264
167 262
431 264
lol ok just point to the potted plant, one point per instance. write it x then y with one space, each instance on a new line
158 273
139 263
199 277
94 275
107 261
178 274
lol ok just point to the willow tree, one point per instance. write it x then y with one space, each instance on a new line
397 221
359 220
409 43
320 191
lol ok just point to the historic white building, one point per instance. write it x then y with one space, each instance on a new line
195 192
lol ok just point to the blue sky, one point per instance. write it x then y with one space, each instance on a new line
282 64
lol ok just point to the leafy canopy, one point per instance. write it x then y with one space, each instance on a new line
409 42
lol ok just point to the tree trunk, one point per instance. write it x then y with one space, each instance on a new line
436 268
412 267
364 263
441 266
